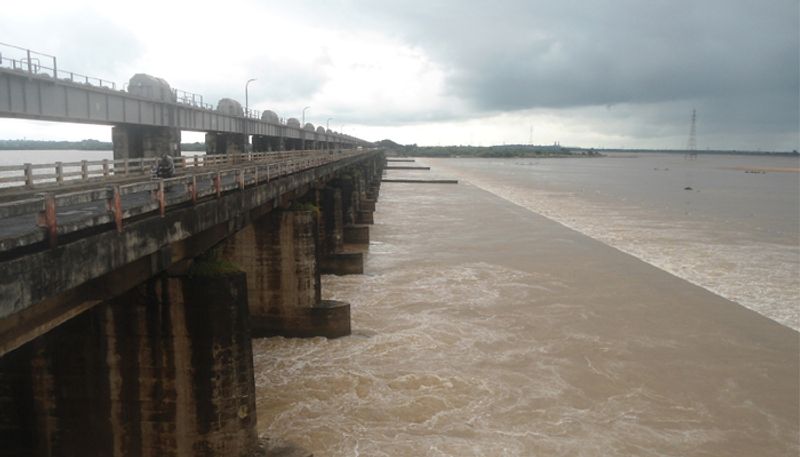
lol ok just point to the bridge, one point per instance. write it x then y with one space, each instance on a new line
149 115
127 303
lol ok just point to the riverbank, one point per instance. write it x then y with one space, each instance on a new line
482 328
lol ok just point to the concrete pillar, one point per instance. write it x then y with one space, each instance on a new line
333 260
224 143
356 234
138 141
262 143
279 252
332 220
349 198
164 370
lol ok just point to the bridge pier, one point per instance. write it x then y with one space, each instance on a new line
280 253
262 143
333 258
164 370
138 141
224 143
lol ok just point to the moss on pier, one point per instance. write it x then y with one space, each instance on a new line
296 206
210 265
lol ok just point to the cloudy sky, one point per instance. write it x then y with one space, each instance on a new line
602 73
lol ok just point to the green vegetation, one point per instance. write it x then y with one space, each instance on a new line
296 206
196 146
210 265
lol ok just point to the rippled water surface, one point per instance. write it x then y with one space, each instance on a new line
482 328
732 232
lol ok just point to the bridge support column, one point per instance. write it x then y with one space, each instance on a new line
224 143
262 143
279 252
331 220
334 259
356 234
138 141
164 370
374 179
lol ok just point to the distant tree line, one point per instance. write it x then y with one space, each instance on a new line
83 145
522 150
504 151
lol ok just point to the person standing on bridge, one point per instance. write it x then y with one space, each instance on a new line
166 166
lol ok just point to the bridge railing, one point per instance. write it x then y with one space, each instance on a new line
124 201
33 176
39 63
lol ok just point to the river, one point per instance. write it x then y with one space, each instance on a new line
541 307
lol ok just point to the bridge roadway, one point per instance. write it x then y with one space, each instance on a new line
60 250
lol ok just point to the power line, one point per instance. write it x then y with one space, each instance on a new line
691 147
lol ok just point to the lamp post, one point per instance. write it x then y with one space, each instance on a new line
327 130
304 116
246 112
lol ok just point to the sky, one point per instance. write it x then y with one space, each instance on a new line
591 73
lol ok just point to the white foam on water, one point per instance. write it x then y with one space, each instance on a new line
438 370
453 355
762 276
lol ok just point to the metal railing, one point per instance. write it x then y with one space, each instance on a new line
31 62
33 176
205 176
192 99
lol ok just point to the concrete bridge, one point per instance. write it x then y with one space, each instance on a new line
149 115
127 303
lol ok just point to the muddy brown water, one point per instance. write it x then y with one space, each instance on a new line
484 329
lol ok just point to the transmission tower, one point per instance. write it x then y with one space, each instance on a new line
691 148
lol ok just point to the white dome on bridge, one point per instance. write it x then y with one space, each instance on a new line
308 127
270 117
321 129
148 86
292 122
230 107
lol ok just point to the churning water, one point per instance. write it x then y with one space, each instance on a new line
484 329
711 221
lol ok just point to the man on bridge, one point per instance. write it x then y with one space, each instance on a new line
166 166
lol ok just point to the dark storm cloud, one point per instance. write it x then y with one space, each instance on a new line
519 54
729 55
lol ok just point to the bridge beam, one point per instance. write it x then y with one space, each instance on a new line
164 370
139 141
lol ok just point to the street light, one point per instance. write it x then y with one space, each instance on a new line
246 112
327 131
304 116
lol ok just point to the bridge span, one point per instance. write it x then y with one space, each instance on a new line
148 115
127 303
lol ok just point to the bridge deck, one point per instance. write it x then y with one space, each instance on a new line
68 250
23 222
